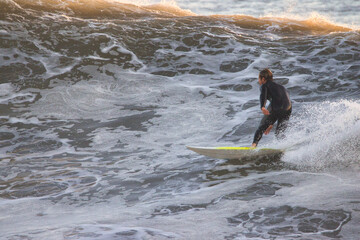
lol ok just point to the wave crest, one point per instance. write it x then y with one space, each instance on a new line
163 8
315 24
106 9
96 8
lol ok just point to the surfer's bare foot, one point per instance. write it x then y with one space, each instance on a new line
254 145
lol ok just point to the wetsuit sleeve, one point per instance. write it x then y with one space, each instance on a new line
263 96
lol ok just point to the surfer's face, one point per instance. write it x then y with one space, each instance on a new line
261 80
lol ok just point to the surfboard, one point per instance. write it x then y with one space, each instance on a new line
232 153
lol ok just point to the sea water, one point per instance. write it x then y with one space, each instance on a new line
99 98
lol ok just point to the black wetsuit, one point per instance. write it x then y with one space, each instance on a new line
280 109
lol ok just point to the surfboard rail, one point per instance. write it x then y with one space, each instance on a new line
232 153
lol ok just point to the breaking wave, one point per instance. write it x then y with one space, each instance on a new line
115 10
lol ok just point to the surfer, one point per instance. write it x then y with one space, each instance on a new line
279 109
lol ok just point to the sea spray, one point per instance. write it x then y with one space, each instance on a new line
325 135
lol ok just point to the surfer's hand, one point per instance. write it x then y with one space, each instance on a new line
267 131
265 111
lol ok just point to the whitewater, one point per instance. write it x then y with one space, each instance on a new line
100 98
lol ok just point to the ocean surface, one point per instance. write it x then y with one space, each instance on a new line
99 99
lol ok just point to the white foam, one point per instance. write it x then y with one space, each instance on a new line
325 134
9 94
6 89
32 120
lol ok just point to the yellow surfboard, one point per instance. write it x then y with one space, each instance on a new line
235 152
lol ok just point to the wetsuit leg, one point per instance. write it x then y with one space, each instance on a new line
266 121
283 119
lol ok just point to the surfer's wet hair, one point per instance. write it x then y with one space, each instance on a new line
267 74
